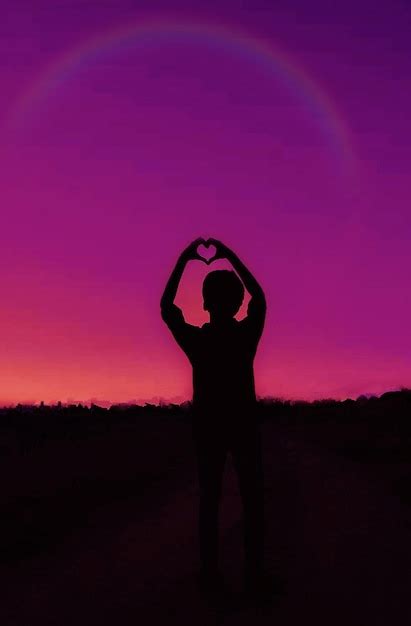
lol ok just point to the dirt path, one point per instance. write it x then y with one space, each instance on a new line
335 533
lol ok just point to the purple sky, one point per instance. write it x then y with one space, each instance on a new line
115 164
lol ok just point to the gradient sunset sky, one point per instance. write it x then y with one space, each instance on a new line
130 128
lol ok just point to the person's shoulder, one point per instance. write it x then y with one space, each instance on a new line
246 325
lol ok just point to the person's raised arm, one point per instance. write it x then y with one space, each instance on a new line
257 302
170 291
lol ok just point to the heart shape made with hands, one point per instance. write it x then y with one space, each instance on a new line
207 252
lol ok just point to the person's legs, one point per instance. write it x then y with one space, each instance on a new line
247 457
211 455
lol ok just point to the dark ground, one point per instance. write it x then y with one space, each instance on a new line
99 524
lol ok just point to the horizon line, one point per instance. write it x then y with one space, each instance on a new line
160 402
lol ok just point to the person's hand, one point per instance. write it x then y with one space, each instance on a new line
222 251
191 252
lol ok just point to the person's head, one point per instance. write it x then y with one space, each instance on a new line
223 293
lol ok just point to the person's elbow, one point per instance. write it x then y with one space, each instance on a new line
262 307
168 311
164 310
258 305
260 300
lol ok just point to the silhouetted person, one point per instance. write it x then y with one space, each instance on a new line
221 353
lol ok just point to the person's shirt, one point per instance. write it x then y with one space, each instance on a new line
221 356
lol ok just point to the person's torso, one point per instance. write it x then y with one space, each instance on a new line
222 364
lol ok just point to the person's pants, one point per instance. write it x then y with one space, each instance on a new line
213 442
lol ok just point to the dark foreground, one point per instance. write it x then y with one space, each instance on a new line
100 527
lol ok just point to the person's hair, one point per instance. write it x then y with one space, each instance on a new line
223 291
